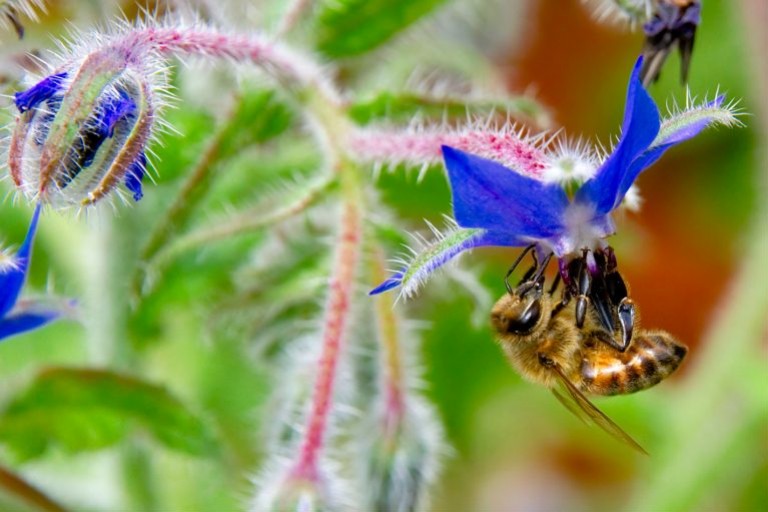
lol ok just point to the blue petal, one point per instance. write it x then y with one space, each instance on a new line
393 282
27 321
649 157
488 195
102 126
38 93
12 280
134 176
641 125
114 110
688 131
433 258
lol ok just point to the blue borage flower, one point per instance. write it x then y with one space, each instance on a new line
496 206
16 316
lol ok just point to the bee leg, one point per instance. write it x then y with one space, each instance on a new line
619 296
689 20
626 313
529 273
539 275
534 277
608 339
545 360
514 266
555 283
582 299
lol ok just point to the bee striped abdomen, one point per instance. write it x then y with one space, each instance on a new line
650 358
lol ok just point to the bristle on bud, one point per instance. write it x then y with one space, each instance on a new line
82 131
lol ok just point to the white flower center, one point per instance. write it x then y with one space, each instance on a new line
569 163
581 229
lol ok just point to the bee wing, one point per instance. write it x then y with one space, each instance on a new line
569 404
578 404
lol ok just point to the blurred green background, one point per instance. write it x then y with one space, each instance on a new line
695 256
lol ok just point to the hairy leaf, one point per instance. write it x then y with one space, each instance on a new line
81 409
351 27
258 117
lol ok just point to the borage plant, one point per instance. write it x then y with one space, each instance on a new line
350 426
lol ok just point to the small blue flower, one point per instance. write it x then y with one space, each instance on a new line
40 92
16 316
497 206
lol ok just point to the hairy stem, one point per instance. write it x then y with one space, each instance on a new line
246 221
341 286
392 356
191 192
424 147
290 67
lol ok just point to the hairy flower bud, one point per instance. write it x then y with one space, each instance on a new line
82 131
403 460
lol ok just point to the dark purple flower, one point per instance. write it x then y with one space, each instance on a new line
673 23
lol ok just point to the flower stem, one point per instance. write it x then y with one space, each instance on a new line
341 287
392 356
424 147
191 192
290 67
244 222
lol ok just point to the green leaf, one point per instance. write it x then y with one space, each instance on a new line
351 27
259 116
404 106
80 410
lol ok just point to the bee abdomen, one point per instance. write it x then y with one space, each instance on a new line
651 358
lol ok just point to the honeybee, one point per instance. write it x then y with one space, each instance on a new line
542 342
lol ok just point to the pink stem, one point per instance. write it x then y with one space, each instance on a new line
337 312
286 64
421 147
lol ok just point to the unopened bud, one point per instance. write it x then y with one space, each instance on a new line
82 132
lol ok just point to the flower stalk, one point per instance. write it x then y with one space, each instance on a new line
423 147
243 222
290 67
341 288
392 357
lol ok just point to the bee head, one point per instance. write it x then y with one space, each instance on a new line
520 311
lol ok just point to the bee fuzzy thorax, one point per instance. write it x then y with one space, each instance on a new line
546 339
